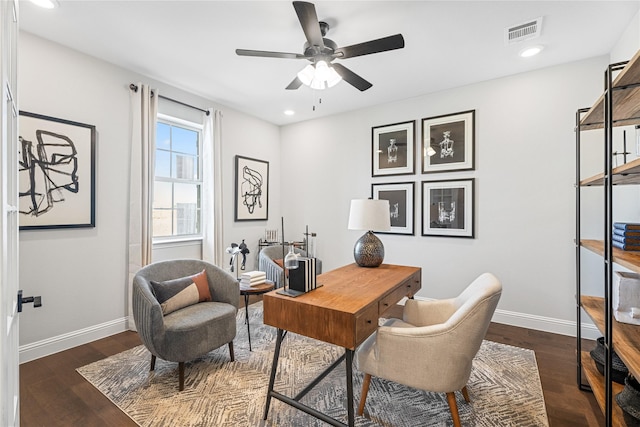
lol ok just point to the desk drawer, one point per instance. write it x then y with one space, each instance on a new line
407 289
366 323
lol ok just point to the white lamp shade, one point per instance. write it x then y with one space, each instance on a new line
369 214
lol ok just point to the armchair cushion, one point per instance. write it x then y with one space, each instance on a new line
182 292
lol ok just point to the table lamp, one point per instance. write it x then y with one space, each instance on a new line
371 215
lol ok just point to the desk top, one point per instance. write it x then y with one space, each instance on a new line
345 309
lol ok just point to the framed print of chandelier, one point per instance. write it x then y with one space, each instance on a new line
452 137
393 149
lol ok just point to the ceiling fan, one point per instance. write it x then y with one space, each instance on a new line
321 52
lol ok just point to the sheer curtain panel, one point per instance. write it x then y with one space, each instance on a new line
212 244
144 109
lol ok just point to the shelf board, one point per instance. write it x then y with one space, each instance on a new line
626 111
626 337
596 381
627 259
627 174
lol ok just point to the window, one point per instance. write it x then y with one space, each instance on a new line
178 180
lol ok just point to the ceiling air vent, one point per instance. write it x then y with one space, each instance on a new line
525 31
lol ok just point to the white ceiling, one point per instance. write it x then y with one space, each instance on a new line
191 45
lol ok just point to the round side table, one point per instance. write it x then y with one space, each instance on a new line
247 291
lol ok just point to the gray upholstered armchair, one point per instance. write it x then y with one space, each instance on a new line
190 332
433 346
266 263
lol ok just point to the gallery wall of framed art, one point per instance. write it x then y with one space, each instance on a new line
447 202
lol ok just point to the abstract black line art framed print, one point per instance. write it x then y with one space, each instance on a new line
401 205
393 149
56 173
252 189
447 208
448 142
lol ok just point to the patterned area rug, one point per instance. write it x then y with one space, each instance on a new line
504 387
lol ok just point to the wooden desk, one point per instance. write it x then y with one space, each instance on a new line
344 312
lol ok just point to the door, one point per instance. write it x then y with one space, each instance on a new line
9 371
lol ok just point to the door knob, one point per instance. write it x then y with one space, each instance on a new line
37 301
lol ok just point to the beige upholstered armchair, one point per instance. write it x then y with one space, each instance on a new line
433 346
172 321
266 263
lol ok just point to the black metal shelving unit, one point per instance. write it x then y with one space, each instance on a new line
619 105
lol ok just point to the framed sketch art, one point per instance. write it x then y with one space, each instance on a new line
447 208
393 149
56 173
252 189
401 209
448 142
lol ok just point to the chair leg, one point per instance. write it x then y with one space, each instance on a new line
153 362
181 376
453 407
365 390
233 359
465 393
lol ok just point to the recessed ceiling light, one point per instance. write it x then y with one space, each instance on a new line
289 112
46 4
531 51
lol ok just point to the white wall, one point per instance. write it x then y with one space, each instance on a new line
81 274
524 210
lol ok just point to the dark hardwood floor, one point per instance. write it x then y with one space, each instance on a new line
53 394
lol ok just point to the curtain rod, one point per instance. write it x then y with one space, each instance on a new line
134 88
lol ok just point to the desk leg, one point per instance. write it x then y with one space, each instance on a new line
349 363
246 317
274 368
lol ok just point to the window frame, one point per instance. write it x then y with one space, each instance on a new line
196 127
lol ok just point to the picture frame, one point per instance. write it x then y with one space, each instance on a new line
450 139
251 189
401 205
393 149
448 208
56 173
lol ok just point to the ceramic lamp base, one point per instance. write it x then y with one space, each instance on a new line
368 251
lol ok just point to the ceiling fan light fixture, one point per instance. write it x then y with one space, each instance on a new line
334 78
307 74
319 76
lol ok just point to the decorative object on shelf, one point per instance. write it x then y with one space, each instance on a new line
393 149
252 189
619 370
448 142
629 401
234 249
290 262
56 173
271 235
447 208
371 215
637 127
626 236
401 205
626 297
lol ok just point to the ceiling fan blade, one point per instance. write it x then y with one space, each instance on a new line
352 78
295 84
309 21
374 46
268 54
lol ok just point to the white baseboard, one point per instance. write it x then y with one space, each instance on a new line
69 340
545 324
541 323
